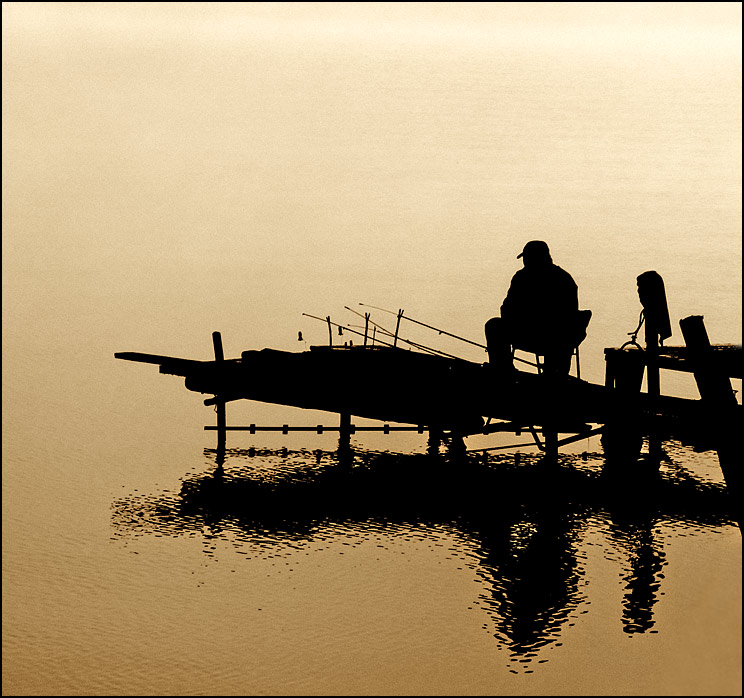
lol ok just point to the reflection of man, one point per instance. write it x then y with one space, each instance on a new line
530 562
539 314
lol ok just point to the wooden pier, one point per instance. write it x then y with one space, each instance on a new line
426 390
727 358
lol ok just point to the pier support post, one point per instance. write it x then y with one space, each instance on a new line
344 431
219 355
550 437
554 407
434 441
621 436
718 397
653 386
652 295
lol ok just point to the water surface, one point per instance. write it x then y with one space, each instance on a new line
174 169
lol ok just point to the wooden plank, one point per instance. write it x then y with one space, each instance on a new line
154 358
718 397
728 358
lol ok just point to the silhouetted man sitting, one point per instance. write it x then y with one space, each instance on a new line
540 314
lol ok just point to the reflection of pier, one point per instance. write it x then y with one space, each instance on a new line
527 538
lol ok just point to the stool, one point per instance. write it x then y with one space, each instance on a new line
579 334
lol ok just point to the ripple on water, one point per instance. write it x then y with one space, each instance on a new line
521 533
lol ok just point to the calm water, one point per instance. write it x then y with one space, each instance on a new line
174 169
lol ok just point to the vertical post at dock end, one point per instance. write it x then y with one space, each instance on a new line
718 398
219 355
653 386
652 295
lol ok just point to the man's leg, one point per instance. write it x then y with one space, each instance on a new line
499 347
558 362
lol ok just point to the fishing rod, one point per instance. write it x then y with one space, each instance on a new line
330 324
368 321
394 335
423 324
341 327
396 338
387 332
415 345
400 316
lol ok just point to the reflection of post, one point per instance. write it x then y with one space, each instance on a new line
219 356
434 441
643 581
717 396
220 456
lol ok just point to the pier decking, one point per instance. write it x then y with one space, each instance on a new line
727 357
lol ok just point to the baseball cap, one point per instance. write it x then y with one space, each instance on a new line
535 248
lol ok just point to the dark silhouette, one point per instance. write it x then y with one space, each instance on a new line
646 561
527 540
540 314
528 561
